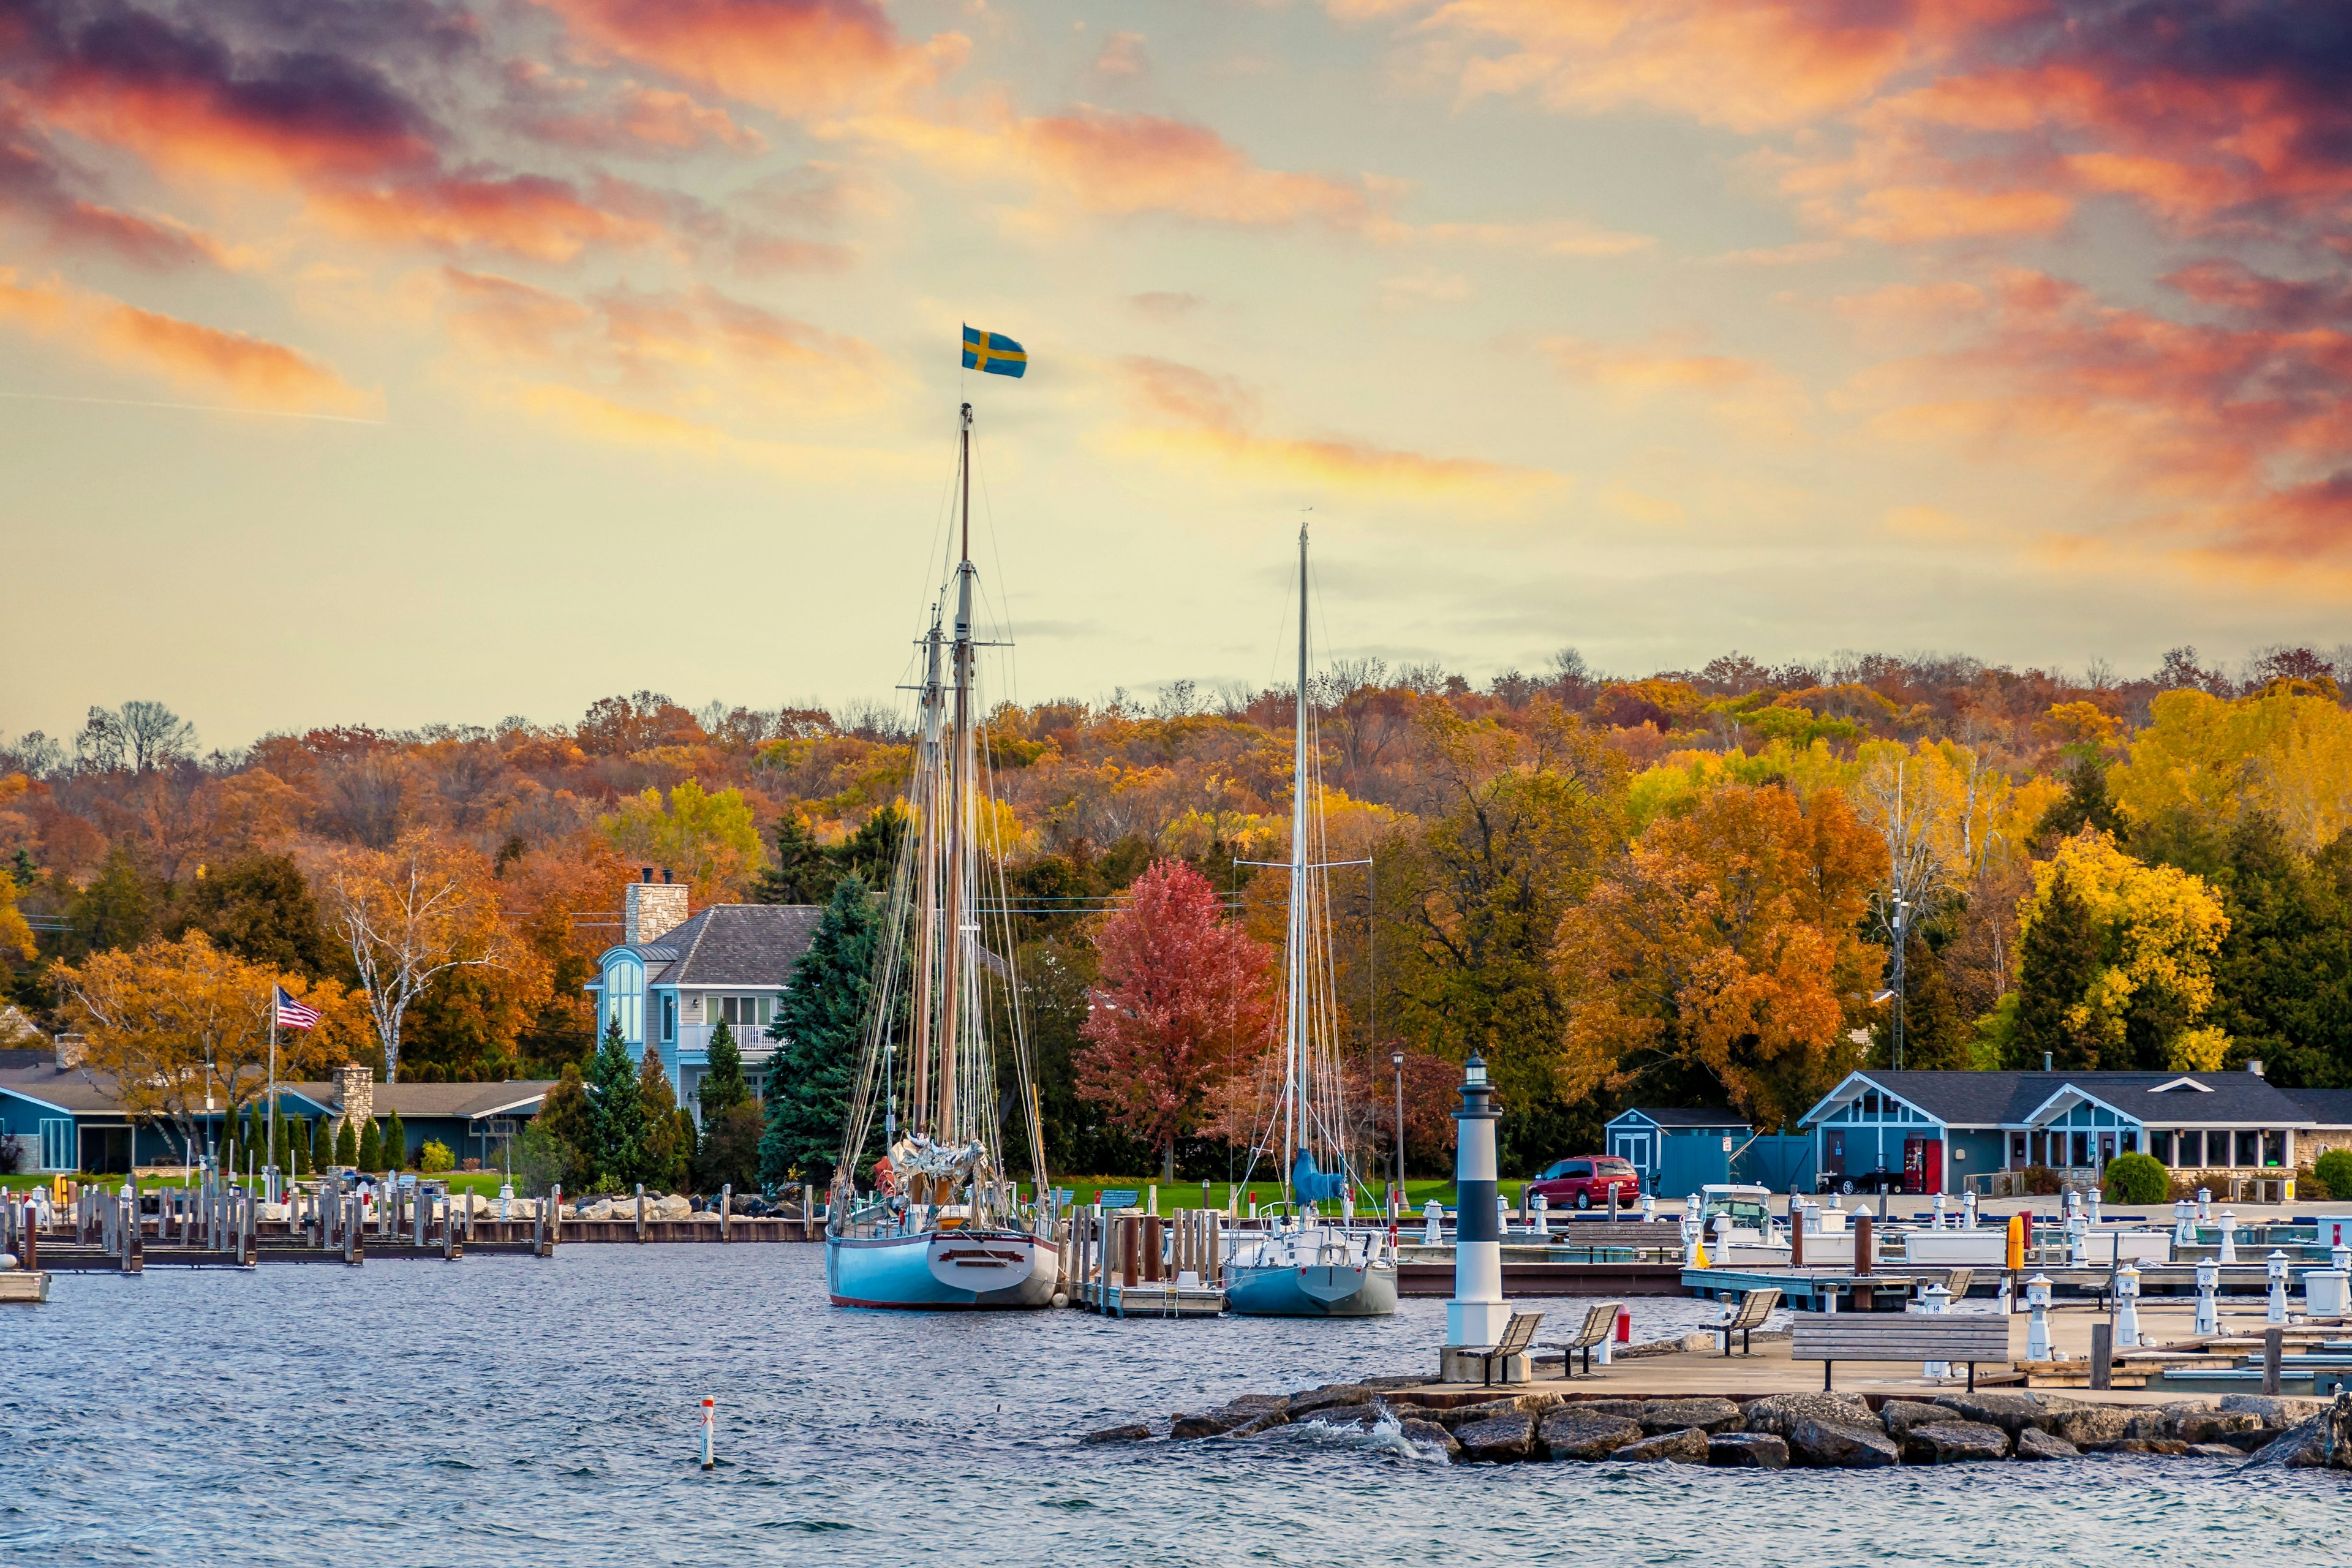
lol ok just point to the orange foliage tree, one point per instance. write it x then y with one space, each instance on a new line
1185 1002
1725 954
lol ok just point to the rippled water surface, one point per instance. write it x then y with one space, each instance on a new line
509 1411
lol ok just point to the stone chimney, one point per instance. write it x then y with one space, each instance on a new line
649 908
72 1051
354 1093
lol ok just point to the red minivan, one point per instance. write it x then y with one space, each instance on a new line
1585 1182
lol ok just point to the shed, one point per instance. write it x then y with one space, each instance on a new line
1640 1135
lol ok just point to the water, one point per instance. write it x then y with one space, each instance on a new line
509 1411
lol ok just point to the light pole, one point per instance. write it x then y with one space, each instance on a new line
1396 1060
1902 921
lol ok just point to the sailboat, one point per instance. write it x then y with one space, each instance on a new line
1311 1268
942 1226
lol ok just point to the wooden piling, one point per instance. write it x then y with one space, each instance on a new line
641 1211
2103 1355
727 1212
2272 1343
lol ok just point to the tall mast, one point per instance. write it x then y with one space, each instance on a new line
926 952
1295 1033
951 975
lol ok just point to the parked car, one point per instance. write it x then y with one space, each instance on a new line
1586 1181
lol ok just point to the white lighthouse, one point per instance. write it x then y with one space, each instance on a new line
1478 1313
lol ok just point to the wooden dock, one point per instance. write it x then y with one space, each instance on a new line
1527 1279
1158 1298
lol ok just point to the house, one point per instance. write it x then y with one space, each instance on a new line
63 1117
1946 1131
1640 1136
676 976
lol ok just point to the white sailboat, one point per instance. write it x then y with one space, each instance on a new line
1312 1268
943 1227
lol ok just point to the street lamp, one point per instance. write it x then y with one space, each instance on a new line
1901 923
1396 1060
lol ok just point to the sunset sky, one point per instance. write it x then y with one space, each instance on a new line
396 361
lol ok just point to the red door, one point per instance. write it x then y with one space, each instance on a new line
1932 1166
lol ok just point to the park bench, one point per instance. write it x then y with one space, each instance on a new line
1517 1335
1118 1198
1754 1308
1833 1336
1600 1321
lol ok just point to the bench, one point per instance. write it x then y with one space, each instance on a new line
1517 1335
1600 1321
1833 1336
1118 1198
1754 1308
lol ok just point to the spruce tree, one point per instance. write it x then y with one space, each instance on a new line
802 874
660 1159
370 1149
2057 960
722 1086
395 1142
347 1144
322 1146
617 1114
820 1027
571 1126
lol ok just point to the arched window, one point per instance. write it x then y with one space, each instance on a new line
625 997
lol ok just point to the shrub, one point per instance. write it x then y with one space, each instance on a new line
347 1144
2333 1171
2040 1181
370 1149
435 1158
2136 1179
322 1146
395 1142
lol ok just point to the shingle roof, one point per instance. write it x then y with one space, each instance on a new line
739 944
75 1091
1998 1099
2328 1107
70 1090
1687 1115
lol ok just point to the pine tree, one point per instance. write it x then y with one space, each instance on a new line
800 874
2057 960
370 1149
722 1086
322 1146
395 1142
617 1114
347 1145
661 1162
1935 1039
570 1123
820 1025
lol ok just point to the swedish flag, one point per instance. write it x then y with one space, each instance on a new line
996 355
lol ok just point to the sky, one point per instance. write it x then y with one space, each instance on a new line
394 362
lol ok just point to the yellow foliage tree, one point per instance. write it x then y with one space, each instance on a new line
2158 929
16 932
709 839
2283 752
408 915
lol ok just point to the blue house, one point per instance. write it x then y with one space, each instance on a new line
1642 1134
1948 1131
675 977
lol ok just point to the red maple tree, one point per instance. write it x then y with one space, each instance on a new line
1186 999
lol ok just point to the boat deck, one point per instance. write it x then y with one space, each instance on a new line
1157 1299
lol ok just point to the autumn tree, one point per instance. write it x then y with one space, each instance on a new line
408 915
2285 751
181 1029
1724 958
1185 1001
708 838
259 907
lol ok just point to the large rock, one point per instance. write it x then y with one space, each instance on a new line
2323 1440
1265 1422
671 1207
2143 1446
1430 1434
1208 1424
2033 1443
1747 1451
2277 1413
1709 1416
1629 1408
1575 1433
1131 1432
1329 1396
2087 1425
1500 1440
1899 1416
1687 1446
1834 1446
2013 1413
2213 1451
1953 1442
1778 1414
2215 1426
1485 1410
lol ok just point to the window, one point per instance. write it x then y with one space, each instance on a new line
624 998
2082 1150
746 1012
2017 1148
669 1016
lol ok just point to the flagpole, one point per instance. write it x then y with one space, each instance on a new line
273 1084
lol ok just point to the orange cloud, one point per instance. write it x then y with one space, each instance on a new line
1194 414
1741 392
793 56
647 121
251 371
527 215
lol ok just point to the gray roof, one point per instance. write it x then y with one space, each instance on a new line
72 1090
1686 1115
2008 1099
2328 1107
739 944
83 1094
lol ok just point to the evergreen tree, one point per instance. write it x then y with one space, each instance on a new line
395 1142
570 1121
259 907
722 1086
2086 805
117 909
2282 980
871 853
819 1027
2057 962
729 1150
347 1144
802 874
662 1162
370 1149
1935 1039
322 1146
616 1129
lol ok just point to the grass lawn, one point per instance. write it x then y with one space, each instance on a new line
1182 1193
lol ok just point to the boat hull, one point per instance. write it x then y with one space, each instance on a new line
1312 1290
942 1271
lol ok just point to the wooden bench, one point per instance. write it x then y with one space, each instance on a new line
1517 1335
1599 1322
1754 1308
1833 1336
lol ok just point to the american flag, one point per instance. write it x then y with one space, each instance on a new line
293 1015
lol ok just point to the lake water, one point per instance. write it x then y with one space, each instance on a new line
509 1411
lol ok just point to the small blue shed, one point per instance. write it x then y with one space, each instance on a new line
1640 1136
